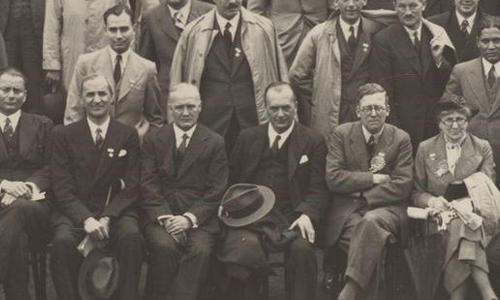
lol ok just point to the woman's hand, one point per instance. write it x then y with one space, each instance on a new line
439 203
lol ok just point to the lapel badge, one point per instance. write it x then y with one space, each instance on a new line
122 153
432 156
237 52
303 159
442 168
111 152
377 163
365 47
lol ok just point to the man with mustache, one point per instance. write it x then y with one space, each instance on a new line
369 171
412 60
232 55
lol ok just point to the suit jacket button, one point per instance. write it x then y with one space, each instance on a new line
193 81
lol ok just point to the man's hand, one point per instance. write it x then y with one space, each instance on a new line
176 224
306 228
53 79
439 204
8 199
16 188
381 178
437 47
95 229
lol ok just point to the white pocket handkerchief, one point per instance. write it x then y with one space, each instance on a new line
303 159
122 153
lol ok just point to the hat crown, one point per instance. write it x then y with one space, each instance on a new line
241 196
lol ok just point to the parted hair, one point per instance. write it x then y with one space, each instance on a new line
117 10
15 73
370 89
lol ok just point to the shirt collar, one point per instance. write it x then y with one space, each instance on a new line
345 27
411 32
14 119
221 21
179 133
125 56
376 136
487 67
184 11
470 19
93 127
284 135
450 145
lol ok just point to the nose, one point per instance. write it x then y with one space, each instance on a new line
185 111
454 124
280 112
491 45
373 112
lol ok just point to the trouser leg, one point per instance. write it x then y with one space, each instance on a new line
301 270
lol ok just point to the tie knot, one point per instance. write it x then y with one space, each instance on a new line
351 29
7 121
278 137
185 136
492 70
371 140
228 26
177 15
98 131
118 58
465 24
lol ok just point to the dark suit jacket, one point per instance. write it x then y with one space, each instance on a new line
160 36
82 175
34 150
3 53
347 174
435 7
308 192
465 47
413 82
196 187
37 13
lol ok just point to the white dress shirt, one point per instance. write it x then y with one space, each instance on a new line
470 20
453 153
411 33
284 135
487 67
223 21
345 27
124 60
183 12
93 127
179 133
376 136
14 120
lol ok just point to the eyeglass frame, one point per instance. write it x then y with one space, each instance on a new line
368 109
448 122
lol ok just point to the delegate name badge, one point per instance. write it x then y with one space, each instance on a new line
442 168
377 163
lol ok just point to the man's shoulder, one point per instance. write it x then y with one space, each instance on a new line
88 58
251 132
440 19
398 133
122 128
200 6
387 33
261 21
312 134
37 119
466 65
145 63
346 128
209 134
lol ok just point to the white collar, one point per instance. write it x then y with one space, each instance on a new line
104 127
14 119
367 134
487 67
470 20
452 145
271 133
125 55
411 32
221 21
179 133
184 11
345 27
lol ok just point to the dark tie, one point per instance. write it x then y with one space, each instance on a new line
491 76
275 147
351 42
117 74
464 26
182 147
8 131
228 39
99 140
416 41
178 21
370 146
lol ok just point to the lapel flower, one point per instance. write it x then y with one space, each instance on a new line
111 152
377 163
122 153
442 168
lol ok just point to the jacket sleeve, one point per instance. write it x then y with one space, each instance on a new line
399 188
216 184
3 53
420 196
74 110
63 180
130 194
154 105
153 202
488 165
178 63
52 35
338 177
146 46
42 176
259 7
453 86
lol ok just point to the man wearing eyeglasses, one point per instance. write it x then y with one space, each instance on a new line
369 170
183 176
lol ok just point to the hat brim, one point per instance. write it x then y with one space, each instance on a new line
87 265
266 207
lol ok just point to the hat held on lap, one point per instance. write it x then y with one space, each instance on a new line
98 276
244 204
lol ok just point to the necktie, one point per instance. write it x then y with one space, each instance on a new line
416 41
99 140
117 74
491 76
370 146
182 147
351 42
8 131
464 26
178 21
275 147
228 39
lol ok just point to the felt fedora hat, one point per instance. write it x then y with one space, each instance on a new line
244 204
98 276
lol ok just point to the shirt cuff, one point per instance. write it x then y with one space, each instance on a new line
193 218
163 217
1 185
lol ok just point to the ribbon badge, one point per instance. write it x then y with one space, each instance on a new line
237 52
111 152
377 163
442 168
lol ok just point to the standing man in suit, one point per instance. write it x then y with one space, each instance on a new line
338 46
293 19
162 28
461 24
24 172
369 170
21 23
135 88
232 55
95 176
183 176
289 158
409 60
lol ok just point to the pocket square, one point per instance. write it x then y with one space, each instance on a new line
303 159
122 153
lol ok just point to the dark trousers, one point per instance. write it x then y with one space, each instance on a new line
23 224
127 243
177 272
493 255
24 52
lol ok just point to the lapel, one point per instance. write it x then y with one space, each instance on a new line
440 152
405 47
334 43
194 149
27 132
3 148
358 147
105 66
87 147
220 49
133 71
463 166
298 142
496 103
168 139
384 141
111 141
166 23
362 51
426 56
477 84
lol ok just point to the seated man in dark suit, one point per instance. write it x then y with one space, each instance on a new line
369 169
289 158
24 172
183 175
95 176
